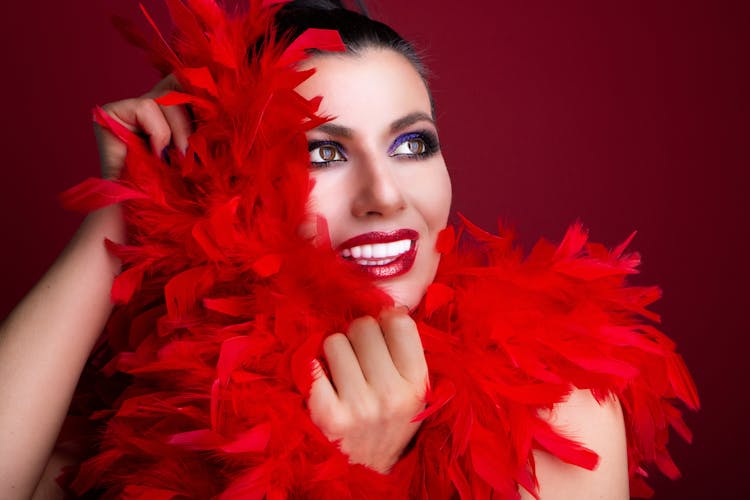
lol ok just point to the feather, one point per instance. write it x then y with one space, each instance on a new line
564 448
445 240
252 441
93 194
198 388
437 296
201 78
313 38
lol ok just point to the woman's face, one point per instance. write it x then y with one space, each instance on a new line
380 178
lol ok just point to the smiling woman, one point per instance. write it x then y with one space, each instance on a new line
293 316
385 192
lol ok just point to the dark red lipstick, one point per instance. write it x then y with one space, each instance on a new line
382 254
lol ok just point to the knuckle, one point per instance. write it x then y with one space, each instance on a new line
337 424
333 340
366 412
391 407
113 108
362 324
403 403
147 105
333 424
400 322
394 405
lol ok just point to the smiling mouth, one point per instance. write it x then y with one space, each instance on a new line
382 255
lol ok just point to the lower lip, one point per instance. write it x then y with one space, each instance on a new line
401 265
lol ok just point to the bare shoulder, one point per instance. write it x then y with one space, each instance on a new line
599 427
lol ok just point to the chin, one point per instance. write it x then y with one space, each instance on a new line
405 297
409 289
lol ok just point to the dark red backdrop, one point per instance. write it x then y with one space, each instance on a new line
627 115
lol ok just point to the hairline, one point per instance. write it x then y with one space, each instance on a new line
358 50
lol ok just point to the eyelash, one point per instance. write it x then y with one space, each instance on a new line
313 145
428 138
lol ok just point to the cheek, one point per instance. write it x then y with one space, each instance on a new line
435 196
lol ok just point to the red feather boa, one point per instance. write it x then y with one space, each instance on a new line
198 387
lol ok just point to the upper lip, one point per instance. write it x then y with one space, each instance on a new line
379 237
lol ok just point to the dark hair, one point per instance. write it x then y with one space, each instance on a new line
357 30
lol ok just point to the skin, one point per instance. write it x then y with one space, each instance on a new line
370 189
378 369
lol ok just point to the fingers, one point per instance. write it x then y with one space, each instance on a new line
374 354
143 114
404 345
177 117
371 350
180 125
162 125
345 369
379 375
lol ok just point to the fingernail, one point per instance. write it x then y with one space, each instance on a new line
165 156
315 367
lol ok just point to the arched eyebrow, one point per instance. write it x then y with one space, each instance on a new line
347 133
336 130
410 119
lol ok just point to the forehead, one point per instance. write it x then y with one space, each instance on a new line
358 89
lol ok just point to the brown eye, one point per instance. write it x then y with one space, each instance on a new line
328 153
416 146
322 154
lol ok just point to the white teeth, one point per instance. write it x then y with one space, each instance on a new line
393 248
384 252
364 262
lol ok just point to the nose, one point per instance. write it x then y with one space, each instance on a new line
379 192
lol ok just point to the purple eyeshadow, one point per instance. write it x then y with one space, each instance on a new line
403 138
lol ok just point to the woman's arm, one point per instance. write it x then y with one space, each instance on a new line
599 427
44 344
45 341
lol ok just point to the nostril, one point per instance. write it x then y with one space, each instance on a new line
380 192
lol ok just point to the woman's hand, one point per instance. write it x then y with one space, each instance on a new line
161 125
379 381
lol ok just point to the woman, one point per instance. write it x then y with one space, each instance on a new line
381 187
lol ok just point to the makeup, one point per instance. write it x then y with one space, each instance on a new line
420 144
323 153
382 254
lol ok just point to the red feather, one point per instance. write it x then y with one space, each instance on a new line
93 194
223 307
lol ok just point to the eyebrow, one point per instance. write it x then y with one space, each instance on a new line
411 119
401 123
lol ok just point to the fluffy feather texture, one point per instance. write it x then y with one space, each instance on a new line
198 387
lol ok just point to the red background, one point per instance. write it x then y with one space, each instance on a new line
625 115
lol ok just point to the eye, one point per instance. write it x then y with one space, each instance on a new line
415 145
324 152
